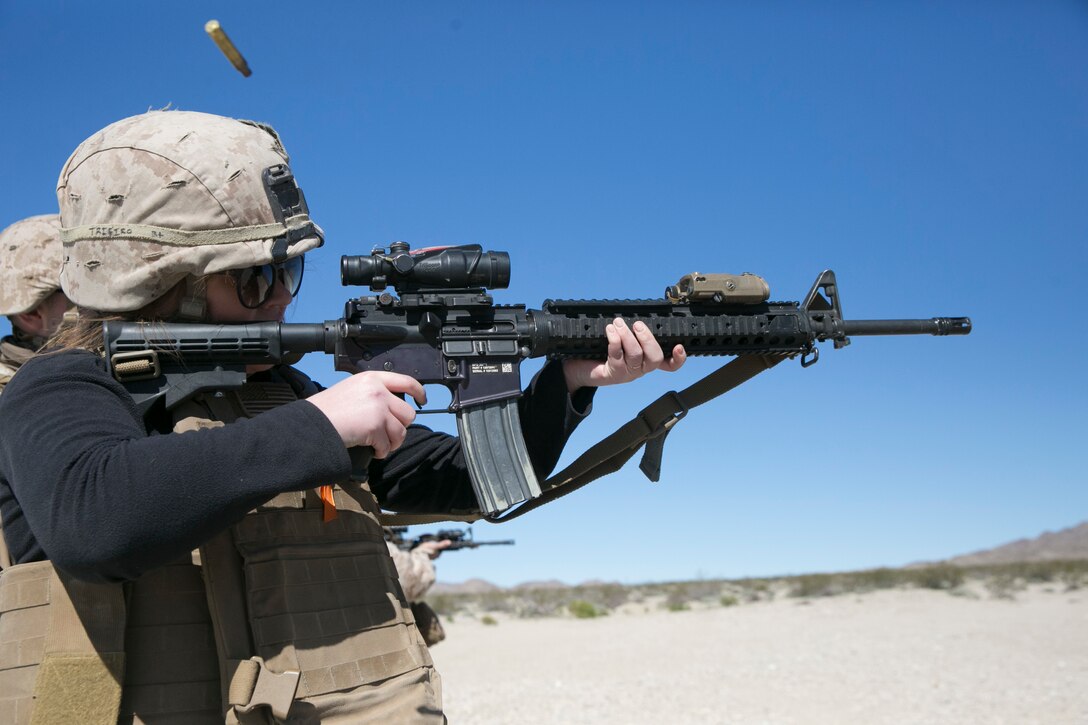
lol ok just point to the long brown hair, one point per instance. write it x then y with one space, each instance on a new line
84 332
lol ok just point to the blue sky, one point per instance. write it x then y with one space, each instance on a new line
933 154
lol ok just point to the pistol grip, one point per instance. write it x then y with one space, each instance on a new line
360 456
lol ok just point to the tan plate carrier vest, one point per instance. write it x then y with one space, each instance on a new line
281 618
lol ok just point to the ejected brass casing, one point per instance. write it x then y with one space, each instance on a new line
213 29
743 289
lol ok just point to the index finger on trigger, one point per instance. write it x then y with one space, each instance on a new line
398 383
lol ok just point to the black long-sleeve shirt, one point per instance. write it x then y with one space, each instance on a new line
84 484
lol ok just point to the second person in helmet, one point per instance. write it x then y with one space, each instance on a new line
30 296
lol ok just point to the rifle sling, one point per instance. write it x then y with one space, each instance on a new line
388 519
649 427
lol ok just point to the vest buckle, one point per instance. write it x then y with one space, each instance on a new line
254 685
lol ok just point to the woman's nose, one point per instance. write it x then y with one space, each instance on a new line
280 296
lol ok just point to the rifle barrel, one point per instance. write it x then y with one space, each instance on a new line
933 326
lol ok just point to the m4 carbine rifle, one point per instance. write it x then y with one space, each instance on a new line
445 329
460 539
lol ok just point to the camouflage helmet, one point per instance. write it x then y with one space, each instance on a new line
166 196
30 259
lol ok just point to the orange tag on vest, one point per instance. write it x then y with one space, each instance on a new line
328 504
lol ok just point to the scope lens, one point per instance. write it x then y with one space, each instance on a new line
487 269
356 269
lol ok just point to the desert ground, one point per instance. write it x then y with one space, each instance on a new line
890 656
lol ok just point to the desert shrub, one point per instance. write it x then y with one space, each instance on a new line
703 590
754 590
1034 571
488 620
813 585
1072 573
582 609
650 591
677 592
499 601
677 598
444 604
585 594
874 579
1001 581
1073 578
542 602
613 595
937 576
1003 586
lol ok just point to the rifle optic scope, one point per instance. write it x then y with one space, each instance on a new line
433 268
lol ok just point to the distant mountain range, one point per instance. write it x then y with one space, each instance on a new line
1071 543
471 586
480 586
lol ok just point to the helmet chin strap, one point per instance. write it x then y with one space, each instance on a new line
25 339
194 305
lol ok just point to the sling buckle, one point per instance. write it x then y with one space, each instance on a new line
656 425
254 685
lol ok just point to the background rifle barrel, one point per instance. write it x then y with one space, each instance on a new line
934 326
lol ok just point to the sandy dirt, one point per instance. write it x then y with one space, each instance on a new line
902 656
